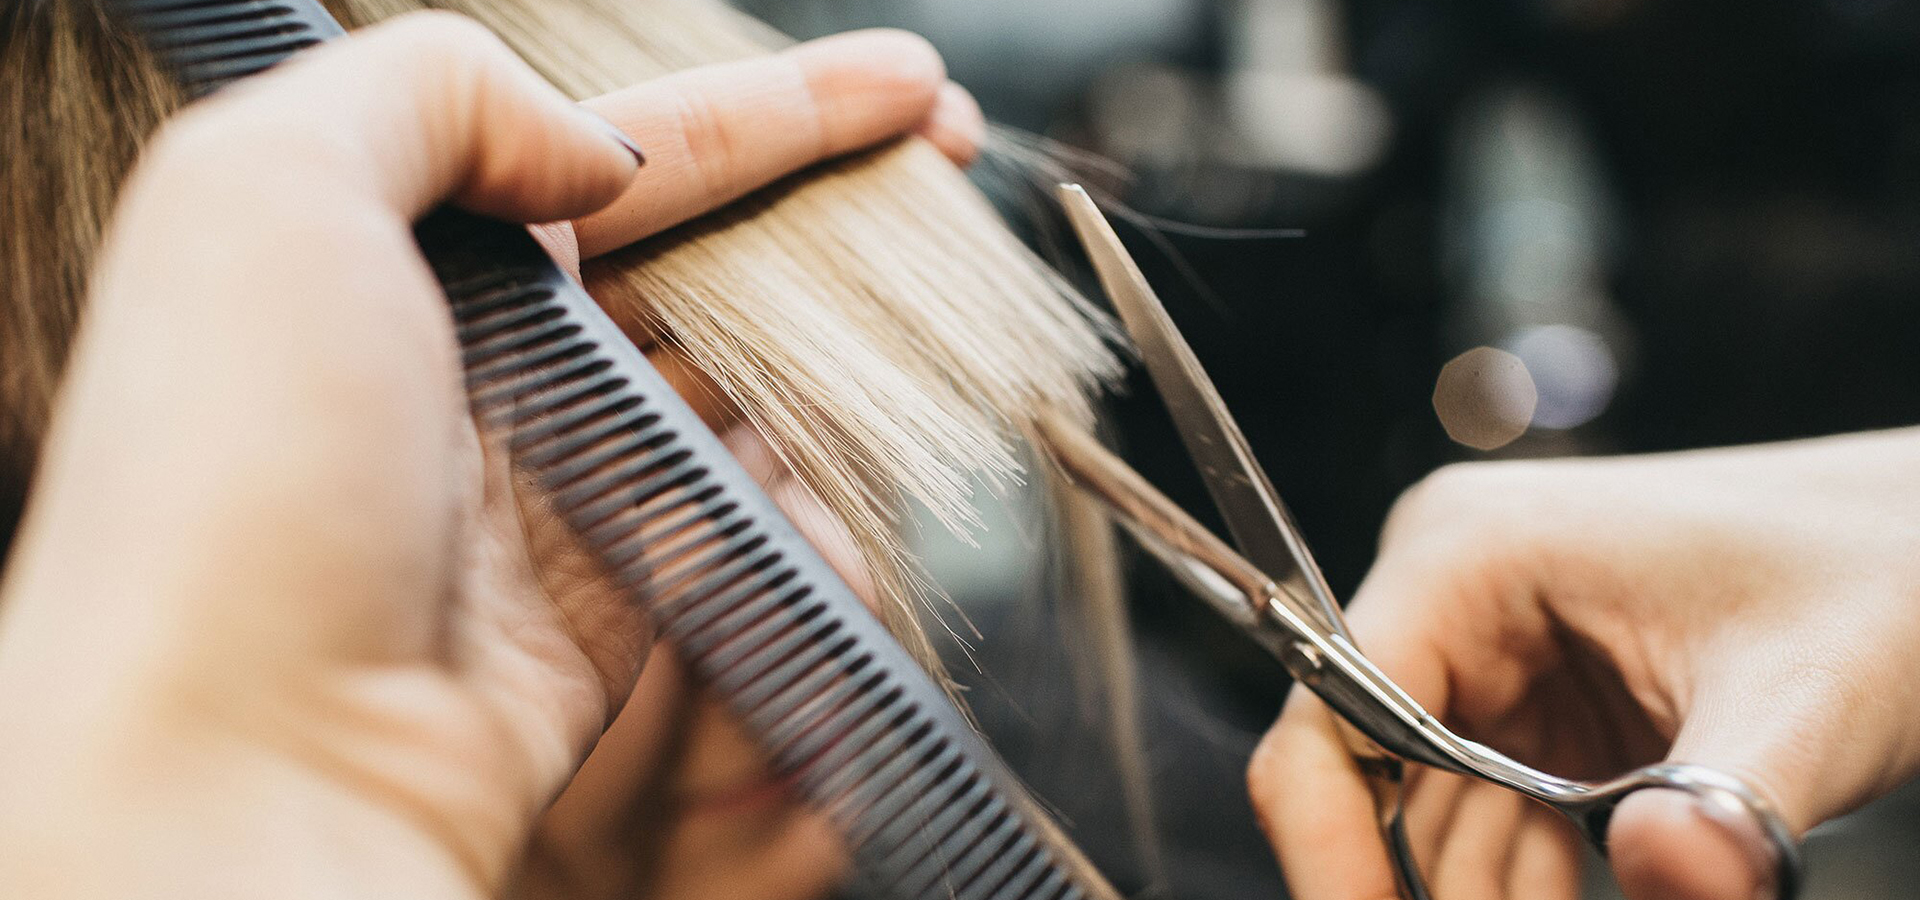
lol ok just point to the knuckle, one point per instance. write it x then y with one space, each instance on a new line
1443 492
710 144
457 68
204 152
915 60
446 52
210 152
1262 773
1477 492
1267 765
441 35
187 141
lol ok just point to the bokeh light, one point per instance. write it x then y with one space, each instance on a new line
1573 369
1485 398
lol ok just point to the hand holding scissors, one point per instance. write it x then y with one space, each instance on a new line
1275 592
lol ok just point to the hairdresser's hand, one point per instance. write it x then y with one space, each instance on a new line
273 619
715 133
1756 610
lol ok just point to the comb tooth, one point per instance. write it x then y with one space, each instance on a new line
146 8
937 811
774 640
673 476
904 798
878 768
799 753
837 702
161 14
796 689
1020 882
819 751
950 875
782 669
197 25
598 418
477 291
599 497
931 851
515 408
758 599
719 586
884 795
1000 862
1055 886
671 576
539 426
966 874
541 380
506 381
755 642
215 71
840 784
826 710
1005 863
630 533
505 370
855 756
477 356
830 660
984 807
567 470
211 43
635 563
512 318
249 35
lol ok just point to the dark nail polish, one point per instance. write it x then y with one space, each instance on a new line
619 137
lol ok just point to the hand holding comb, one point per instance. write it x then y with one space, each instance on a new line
927 809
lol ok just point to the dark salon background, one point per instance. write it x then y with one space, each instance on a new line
1663 223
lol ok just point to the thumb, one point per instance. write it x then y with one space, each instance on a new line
425 108
1676 845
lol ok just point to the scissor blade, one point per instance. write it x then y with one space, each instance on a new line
1257 519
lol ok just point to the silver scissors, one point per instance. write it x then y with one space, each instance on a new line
1274 591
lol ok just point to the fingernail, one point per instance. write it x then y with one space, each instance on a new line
1734 820
955 125
613 132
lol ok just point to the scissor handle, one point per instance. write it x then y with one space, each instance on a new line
1388 725
1373 704
1722 796
1590 807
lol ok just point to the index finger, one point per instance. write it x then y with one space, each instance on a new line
716 133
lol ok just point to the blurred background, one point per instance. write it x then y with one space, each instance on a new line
1412 232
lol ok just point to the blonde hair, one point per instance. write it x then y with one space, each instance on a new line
872 317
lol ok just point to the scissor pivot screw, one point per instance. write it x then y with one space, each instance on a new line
1305 661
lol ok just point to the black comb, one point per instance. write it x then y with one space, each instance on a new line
928 810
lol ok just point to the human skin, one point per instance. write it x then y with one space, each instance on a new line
1752 609
275 617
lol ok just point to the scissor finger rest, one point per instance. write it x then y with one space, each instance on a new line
1365 697
1745 815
